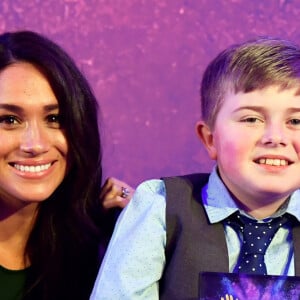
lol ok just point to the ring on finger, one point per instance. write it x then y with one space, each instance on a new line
124 192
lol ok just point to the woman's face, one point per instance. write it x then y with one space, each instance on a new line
33 147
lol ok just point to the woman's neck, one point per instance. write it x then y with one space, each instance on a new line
15 227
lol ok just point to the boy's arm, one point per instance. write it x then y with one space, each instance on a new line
135 258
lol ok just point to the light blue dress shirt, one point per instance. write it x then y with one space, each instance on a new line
135 258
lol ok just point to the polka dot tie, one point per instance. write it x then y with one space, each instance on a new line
257 236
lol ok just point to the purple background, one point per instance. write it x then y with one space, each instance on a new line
144 60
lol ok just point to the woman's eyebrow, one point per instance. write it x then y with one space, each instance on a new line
11 107
19 109
50 107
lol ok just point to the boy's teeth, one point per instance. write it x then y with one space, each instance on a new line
32 169
273 162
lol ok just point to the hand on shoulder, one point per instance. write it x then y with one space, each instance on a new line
115 193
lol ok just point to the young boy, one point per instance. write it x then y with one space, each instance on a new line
178 227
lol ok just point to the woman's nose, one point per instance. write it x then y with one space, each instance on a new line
34 139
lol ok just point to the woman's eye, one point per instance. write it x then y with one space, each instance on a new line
54 120
9 120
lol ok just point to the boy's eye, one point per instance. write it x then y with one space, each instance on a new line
294 121
251 120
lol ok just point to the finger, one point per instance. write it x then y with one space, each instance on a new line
114 187
111 188
115 193
115 202
106 187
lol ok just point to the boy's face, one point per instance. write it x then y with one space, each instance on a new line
256 143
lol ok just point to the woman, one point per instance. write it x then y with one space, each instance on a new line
53 231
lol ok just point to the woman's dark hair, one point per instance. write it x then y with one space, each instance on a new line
64 247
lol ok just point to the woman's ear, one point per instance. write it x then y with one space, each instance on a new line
206 136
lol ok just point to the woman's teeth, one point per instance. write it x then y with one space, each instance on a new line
32 169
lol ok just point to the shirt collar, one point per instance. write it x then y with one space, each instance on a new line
219 204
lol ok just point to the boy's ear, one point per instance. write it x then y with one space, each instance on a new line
206 136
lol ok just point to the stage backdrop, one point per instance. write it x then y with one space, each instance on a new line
144 60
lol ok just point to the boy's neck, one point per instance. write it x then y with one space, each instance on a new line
257 205
259 211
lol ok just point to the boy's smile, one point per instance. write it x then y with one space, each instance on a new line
256 143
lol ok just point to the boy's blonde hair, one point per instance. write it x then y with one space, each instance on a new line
246 67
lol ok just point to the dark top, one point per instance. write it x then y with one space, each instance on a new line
12 283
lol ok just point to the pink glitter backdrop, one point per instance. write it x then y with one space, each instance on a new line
144 60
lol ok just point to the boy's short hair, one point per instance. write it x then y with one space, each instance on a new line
246 67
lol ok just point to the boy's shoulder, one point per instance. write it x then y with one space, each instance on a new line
194 179
186 186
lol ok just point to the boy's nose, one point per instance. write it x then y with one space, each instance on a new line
34 140
274 135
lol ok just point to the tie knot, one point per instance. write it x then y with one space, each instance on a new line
271 225
257 236
243 223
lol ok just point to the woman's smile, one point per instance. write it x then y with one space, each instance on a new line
33 158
